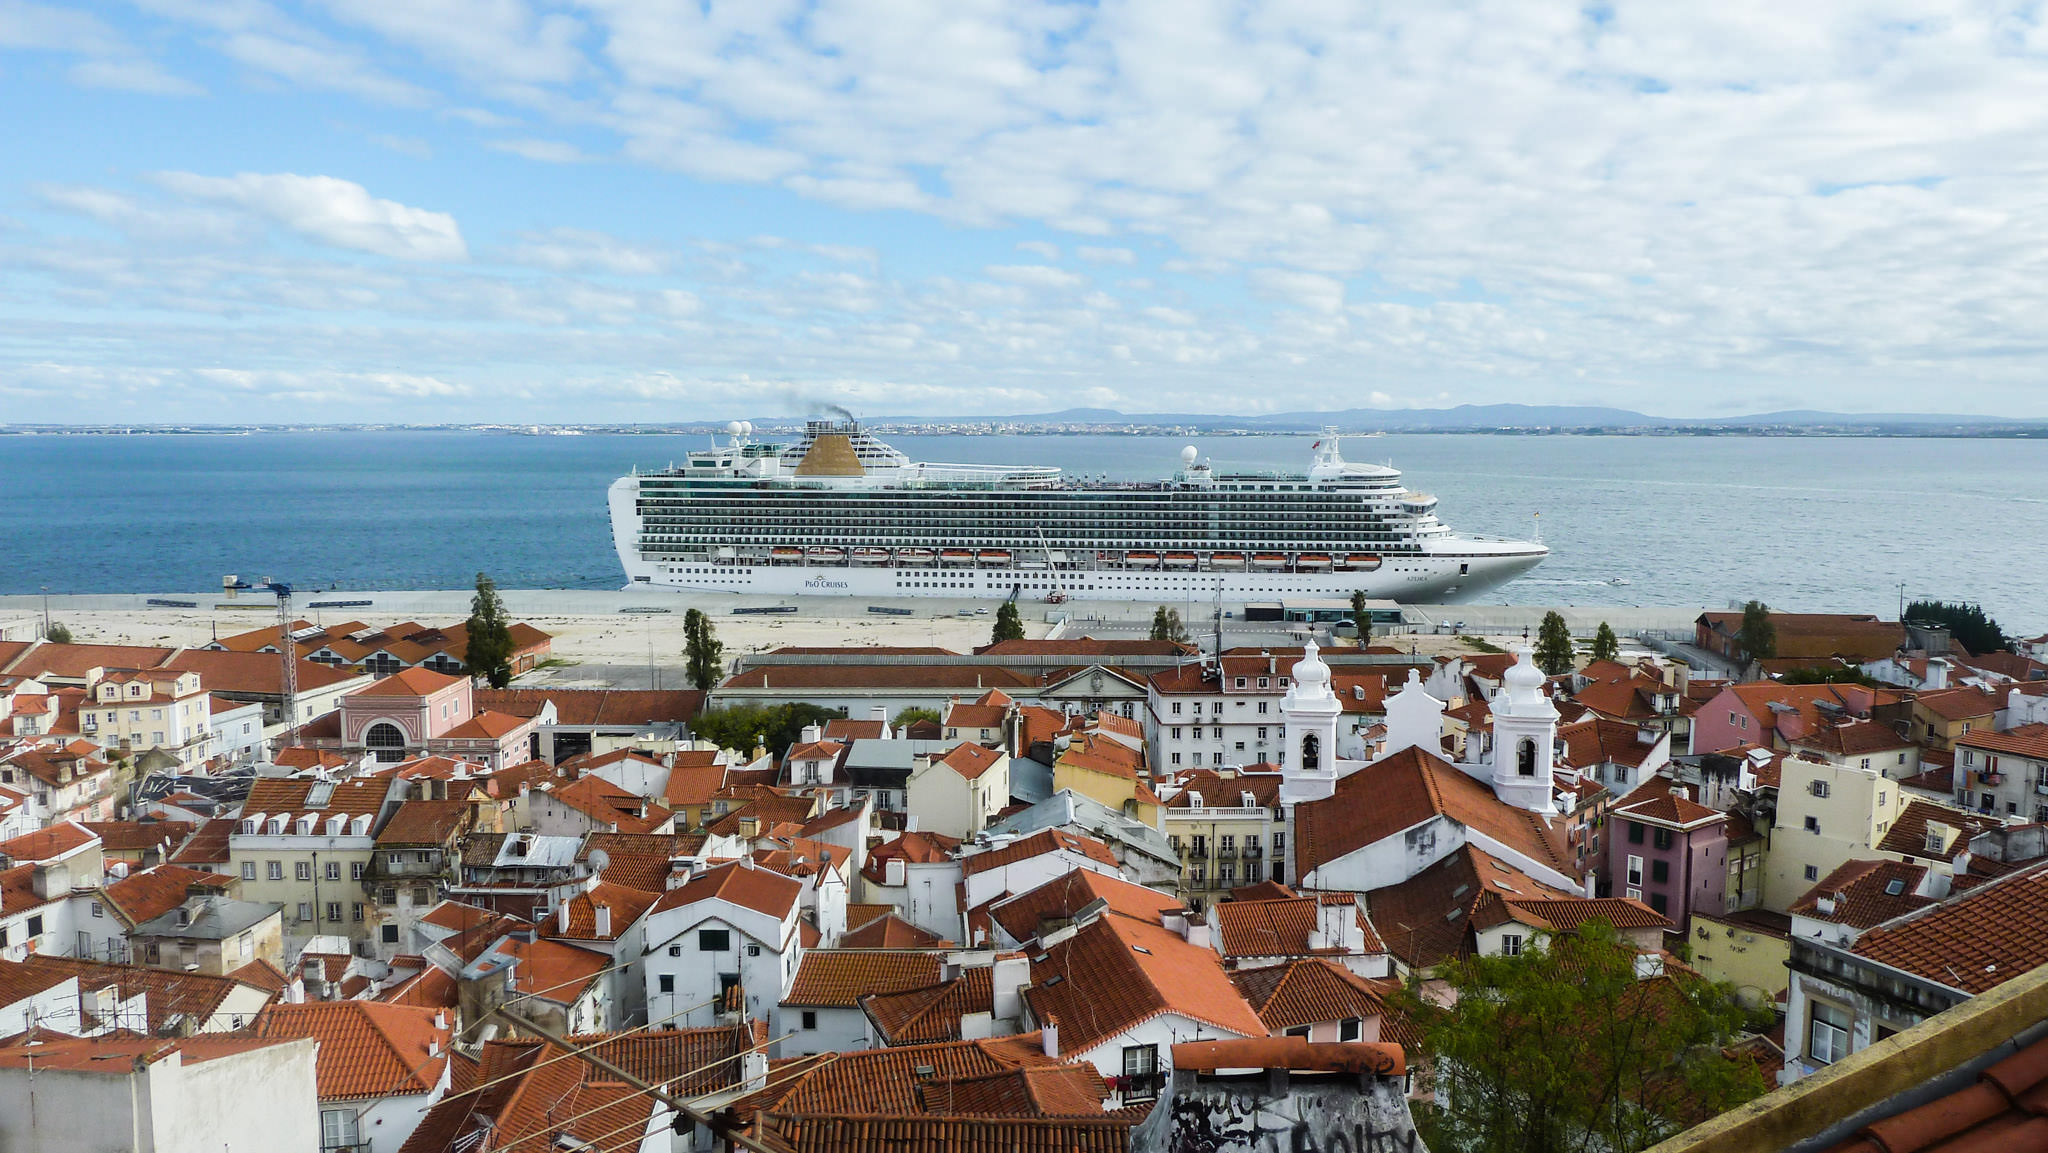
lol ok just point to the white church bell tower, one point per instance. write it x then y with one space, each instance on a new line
1524 739
1309 714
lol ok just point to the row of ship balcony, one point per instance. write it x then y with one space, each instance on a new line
1136 559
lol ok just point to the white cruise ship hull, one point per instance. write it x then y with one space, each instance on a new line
842 515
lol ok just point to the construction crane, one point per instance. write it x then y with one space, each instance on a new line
289 682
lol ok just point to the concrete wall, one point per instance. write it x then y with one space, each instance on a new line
1293 1113
262 1099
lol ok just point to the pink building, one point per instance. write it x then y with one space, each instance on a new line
419 712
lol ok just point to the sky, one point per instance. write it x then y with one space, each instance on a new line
224 211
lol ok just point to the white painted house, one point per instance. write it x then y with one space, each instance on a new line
734 925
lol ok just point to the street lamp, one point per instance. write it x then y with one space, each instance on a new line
46 612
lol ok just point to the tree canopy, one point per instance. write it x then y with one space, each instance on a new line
1967 624
58 633
1361 617
1554 653
914 714
1167 626
1563 1048
774 727
1758 637
703 654
487 649
1009 624
1606 646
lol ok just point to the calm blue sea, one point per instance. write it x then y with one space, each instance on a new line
1803 523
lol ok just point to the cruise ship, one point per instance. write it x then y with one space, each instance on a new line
839 513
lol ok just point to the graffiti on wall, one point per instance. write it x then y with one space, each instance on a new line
1218 1118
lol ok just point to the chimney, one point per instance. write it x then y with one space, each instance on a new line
812 734
754 1069
562 917
604 921
1008 976
433 1046
1049 1032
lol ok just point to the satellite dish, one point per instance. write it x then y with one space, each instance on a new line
600 860
1187 456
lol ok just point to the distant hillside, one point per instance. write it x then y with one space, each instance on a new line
1499 417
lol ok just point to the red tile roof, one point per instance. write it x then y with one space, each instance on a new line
746 885
149 894
591 707
1862 894
1908 835
173 998
367 1048
885 1081
208 846
1116 972
838 978
1023 915
939 678
812 1133
2000 1111
1974 942
58 840
1655 801
1959 704
1428 918
1406 789
424 823
2024 741
1281 927
1225 792
1601 741
931 1012
1567 914
890 931
693 785
626 905
917 848
1043 841
971 760
1309 991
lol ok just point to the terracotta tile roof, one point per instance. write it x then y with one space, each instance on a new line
1959 704
1852 739
1035 1091
254 672
1084 647
367 1048
1309 991
627 906
2000 1111
149 894
1281 927
208 846
1601 741
768 812
693 785
592 707
433 988
1654 801
817 751
608 804
1630 699
1801 712
1567 914
19 982
424 823
1399 792
263 975
1427 918
17 890
173 999
1908 835
971 760
357 796
704 1060
859 913
938 678
1219 791
1863 894
761 890
122 1052
2024 741
1117 972
1974 942
917 847
926 1134
931 1012
862 650
484 726
525 1100
1023 915
885 1081
72 662
138 836
58 840
966 716
1099 754
890 931
1043 841
838 977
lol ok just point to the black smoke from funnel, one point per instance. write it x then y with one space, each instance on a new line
834 410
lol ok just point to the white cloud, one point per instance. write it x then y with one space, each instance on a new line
1040 248
1033 275
546 151
133 75
1318 293
582 250
331 211
1094 255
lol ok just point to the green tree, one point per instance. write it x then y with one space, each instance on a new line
1563 1048
487 645
1167 626
1606 646
1757 637
1554 654
1361 617
914 714
58 634
1009 624
774 727
1828 674
1967 624
703 654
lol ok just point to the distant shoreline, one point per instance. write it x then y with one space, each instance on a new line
886 428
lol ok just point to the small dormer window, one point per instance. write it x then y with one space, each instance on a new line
1194 799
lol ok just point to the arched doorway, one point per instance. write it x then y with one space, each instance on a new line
385 741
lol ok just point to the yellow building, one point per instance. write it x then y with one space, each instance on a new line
1749 950
1229 831
1107 771
1942 716
1828 812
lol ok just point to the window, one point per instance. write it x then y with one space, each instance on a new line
1635 833
675 950
248 870
665 983
273 870
302 870
1176 708
394 859
305 910
1635 872
355 870
333 870
1813 824
98 910
1660 902
1262 706
1660 872
1141 1072
1663 839
810 1019
1510 945
334 911
355 911
1827 1033
1813 872
1348 1029
390 932
338 1128
1817 788
714 940
35 926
